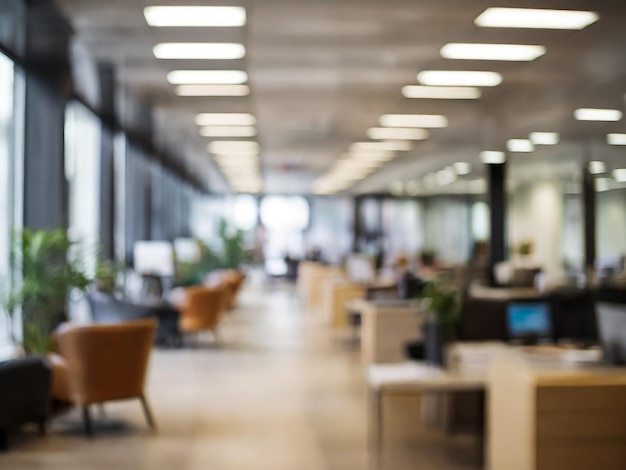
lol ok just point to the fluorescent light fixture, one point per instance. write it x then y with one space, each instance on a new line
399 133
544 138
228 131
225 119
462 168
413 120
389 145
365 154
446 176
603 184
616 139
195 16
207 77
535 18
520 145
441 92
597 167
492 157
506 52
593 114
396 187
212 90
620 175
230 146
412 187
459 78
199 50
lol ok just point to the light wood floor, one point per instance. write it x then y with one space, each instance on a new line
280 392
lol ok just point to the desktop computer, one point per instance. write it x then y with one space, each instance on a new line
529 322
612 328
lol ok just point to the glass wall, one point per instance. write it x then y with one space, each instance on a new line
82 167
6 172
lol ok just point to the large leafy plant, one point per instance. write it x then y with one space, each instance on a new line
50 268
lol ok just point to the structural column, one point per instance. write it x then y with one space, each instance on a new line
589 222
497 199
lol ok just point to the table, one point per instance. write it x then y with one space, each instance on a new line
415 377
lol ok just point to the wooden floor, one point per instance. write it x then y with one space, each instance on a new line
280 392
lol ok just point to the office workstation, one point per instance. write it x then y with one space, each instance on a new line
312 235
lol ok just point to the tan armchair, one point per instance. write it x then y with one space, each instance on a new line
107 363
201 309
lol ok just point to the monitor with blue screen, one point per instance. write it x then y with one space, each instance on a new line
529 320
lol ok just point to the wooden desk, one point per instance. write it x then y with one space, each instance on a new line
544 412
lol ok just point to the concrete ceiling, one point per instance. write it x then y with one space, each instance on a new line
322 72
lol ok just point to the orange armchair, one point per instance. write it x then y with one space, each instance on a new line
106 363
201 309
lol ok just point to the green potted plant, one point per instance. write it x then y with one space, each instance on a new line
49 272
443 304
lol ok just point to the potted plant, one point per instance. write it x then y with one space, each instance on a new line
443 304
48 274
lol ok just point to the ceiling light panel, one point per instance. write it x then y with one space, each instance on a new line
616 139
462 168
195 16
459 78
212 90
228 131
413 120
207 77
225 119
520 145
199 50
504 52
400 133
597 167
230 146
594 114
492 157
544 138
535 18
441 92
620 175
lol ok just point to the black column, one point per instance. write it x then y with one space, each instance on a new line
47 81
589 220
357 229
496 194
107 169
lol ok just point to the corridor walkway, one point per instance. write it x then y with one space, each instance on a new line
280 392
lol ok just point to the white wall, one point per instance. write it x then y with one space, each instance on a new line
536 215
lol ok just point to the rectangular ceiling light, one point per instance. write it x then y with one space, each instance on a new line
620 175
592 114
459 78
225 119
386 145
520 145
506 52
441 92
198 50
535 18
195 16
616 139
207 77
212 90
462 168
230 146
413 120
397 133
596 167
492 157
227 131
544 138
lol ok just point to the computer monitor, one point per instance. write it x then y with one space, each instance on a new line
612 329
529 321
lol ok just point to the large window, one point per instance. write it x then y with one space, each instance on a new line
82 159
6 179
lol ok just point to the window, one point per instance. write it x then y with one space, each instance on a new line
6 179
82 165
